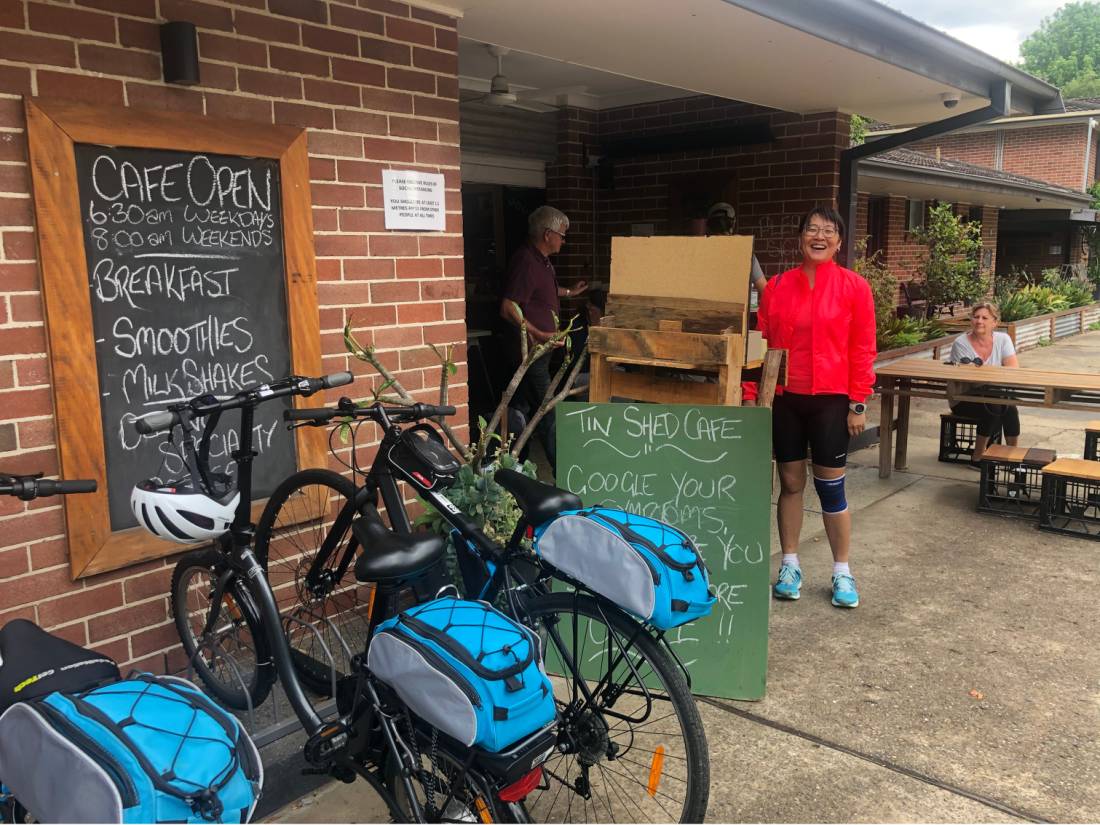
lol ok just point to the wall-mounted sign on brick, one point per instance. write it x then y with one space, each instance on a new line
414 200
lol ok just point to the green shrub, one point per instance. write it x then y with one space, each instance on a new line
907 332
1045 298
950 265
478 495
1077 293
1017 306
884 284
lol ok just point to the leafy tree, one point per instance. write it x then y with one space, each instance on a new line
857 130
1065 50
949 268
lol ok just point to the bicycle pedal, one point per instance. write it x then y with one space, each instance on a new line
322 747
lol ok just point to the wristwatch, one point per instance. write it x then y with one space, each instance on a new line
858 407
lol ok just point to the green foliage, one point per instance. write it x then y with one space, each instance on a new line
1094 190
1066 48
949 268
1077 293
1016 307
1046 299
1094 326
477 494
857 130
1006 284
884 284
907 332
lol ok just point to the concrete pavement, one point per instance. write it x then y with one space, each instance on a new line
965 688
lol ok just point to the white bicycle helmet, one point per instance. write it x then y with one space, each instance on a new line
179 513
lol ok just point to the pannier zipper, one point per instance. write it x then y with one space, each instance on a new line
462 654
59 722
440 663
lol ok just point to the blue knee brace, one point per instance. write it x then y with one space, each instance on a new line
831 493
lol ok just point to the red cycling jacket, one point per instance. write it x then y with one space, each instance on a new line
843 326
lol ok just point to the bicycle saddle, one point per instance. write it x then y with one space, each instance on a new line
391 557
539 502
34 663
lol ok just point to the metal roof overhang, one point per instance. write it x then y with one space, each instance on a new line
883 178
854 56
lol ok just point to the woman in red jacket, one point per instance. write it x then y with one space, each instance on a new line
824 316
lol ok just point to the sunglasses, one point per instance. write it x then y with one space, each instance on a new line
977 361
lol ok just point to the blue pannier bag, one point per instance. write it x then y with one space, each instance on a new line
645 566
466 669
143 749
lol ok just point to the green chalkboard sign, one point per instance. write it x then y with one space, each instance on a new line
707 471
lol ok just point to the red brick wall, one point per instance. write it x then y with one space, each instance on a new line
569 186
969 147
374 81
1055 154
1052 153
774 183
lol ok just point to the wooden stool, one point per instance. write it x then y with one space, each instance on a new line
1012 480
958 435
1092 441
1071 498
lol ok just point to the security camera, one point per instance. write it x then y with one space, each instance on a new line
950 99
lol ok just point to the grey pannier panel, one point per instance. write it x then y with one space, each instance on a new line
51 777
429 693
601 559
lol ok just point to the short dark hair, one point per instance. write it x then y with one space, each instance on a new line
826 213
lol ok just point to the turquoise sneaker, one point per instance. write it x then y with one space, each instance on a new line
844 591
789 583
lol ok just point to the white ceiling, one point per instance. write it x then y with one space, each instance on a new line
877 181
701 46
556 82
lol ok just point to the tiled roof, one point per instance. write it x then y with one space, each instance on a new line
910 159
1082 104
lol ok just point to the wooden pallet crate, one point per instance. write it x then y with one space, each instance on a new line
664 337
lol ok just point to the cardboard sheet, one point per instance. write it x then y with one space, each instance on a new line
709 268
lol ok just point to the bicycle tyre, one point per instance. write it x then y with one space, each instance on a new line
239 626
297 519
595 726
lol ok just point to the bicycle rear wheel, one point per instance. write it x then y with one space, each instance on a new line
635 749
233 659
305 543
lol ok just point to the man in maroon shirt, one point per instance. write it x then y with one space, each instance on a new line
531 294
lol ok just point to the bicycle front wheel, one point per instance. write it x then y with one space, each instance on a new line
305 543
232 659
632 742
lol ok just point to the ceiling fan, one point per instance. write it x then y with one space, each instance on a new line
500 92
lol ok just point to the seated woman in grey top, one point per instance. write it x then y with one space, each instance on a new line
982 346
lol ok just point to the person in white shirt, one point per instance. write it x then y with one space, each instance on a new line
985 346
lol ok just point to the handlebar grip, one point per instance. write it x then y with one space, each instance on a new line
337 379
432 411
156 422
48 487
312 414
77 485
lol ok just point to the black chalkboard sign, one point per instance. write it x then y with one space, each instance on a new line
186 276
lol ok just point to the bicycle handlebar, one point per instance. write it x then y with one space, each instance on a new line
205 405
377 412
31 487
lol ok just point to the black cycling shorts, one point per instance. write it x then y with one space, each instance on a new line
819 421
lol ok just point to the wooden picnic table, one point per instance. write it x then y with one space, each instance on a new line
923 378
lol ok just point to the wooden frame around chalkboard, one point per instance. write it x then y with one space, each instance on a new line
52 129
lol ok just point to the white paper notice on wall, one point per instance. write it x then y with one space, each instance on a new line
414 200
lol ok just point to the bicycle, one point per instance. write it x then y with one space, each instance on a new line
600 746
29 488
421 773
